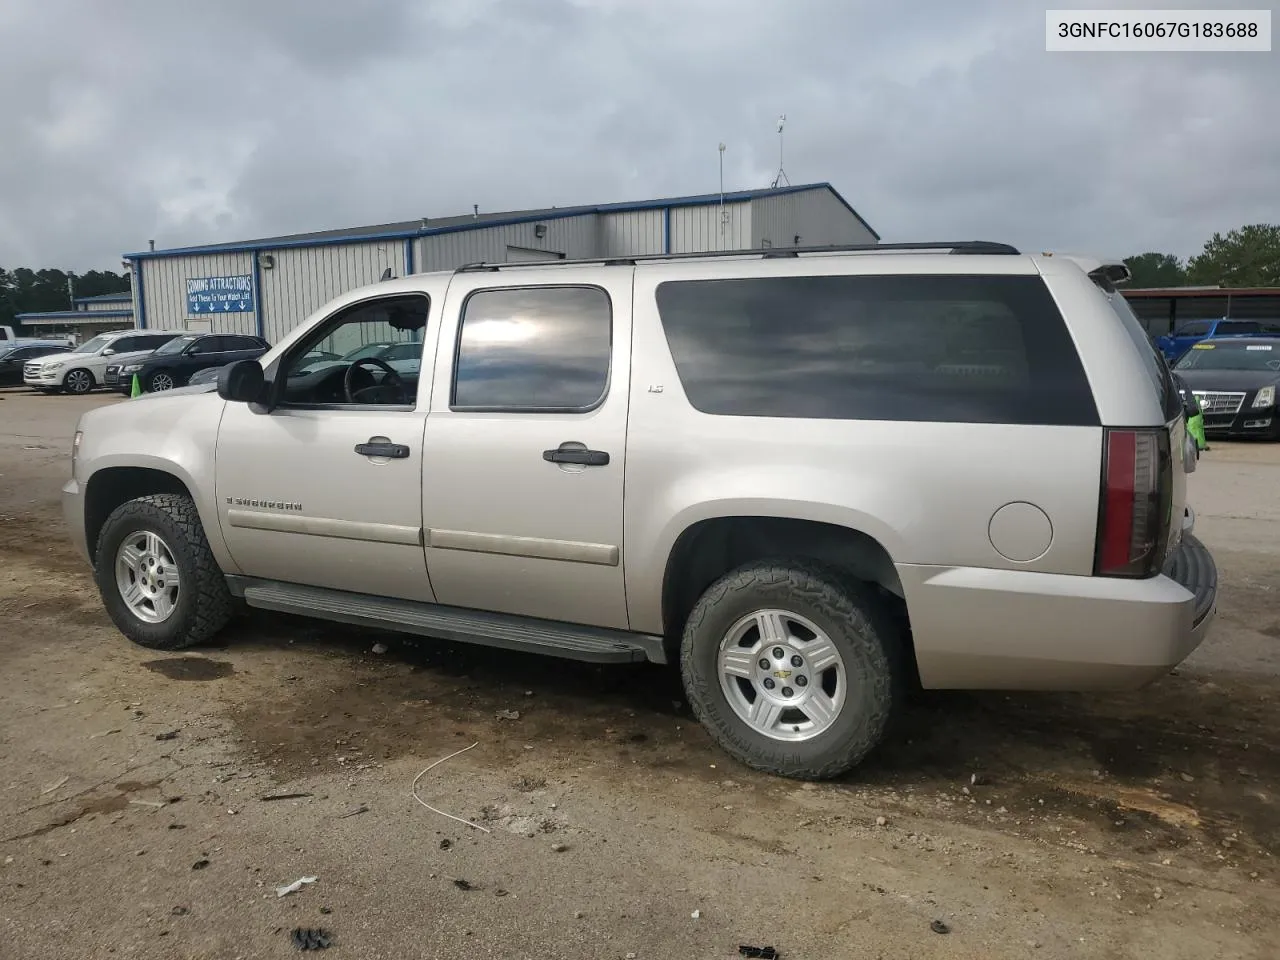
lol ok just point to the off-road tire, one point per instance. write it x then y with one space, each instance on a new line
856 620
204 603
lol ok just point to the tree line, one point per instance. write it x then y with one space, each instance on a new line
1246 257
38 291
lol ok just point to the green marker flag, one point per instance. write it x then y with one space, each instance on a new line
136 391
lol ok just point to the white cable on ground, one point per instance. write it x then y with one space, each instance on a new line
414 790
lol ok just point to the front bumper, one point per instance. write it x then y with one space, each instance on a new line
73 515
42 379
978 628
1248 422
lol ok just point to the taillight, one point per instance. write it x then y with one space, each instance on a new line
1137 492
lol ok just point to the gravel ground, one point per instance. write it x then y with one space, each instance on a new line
138 810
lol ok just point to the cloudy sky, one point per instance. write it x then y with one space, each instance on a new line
192 122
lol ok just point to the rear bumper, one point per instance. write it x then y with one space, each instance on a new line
976 628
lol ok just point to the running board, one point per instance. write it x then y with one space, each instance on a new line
570 641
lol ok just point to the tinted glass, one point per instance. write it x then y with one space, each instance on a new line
240 343
1197 328
176 345
1154 361
1214 355
1237 328
209 345
126 344
534 348
927 348
92 346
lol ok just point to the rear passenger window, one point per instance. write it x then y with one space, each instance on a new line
1197 328
926 348
533 349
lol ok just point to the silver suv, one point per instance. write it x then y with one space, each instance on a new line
88 365
810 478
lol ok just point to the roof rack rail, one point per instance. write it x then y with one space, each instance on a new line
976 247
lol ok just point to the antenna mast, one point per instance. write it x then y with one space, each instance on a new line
781 178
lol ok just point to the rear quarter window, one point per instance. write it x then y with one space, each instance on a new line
955 349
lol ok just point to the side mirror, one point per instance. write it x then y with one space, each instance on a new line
108 352
242 382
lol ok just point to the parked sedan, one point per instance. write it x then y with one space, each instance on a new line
1236 381
14 354
174 364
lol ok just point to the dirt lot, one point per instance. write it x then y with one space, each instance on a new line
137 819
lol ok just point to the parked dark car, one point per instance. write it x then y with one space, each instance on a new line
1236 381
174 363
210 374
14 355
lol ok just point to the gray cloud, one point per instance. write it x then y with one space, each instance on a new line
189 123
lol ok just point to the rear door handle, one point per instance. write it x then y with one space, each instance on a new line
392 451
573 452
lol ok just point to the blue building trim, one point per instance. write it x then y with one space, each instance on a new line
73 315
666 229
257 297
105 298
408 257
139 295
742 196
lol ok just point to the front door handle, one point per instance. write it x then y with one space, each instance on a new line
392 451
572 452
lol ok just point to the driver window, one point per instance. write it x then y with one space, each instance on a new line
368 353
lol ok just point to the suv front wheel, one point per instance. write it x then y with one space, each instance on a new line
793 668
158 578
78 382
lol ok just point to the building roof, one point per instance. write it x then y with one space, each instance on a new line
61 317
1147 292
428 226
125 297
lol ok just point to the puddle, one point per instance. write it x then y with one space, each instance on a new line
191 668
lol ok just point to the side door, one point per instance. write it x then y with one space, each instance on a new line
204 352
524 451
326 488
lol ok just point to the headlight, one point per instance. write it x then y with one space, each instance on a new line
131 368
54 365
1266 397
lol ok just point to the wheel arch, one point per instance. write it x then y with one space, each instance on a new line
110 487
709 548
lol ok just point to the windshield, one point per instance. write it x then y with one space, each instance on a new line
368 350
402 351
176 345
93 346
1236 356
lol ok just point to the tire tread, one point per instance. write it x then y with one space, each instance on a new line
212 608
835 594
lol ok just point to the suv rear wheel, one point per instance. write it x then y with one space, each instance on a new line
793 668
157 576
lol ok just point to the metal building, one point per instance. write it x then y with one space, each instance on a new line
267 287
90 317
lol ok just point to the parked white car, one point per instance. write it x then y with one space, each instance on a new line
85 367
